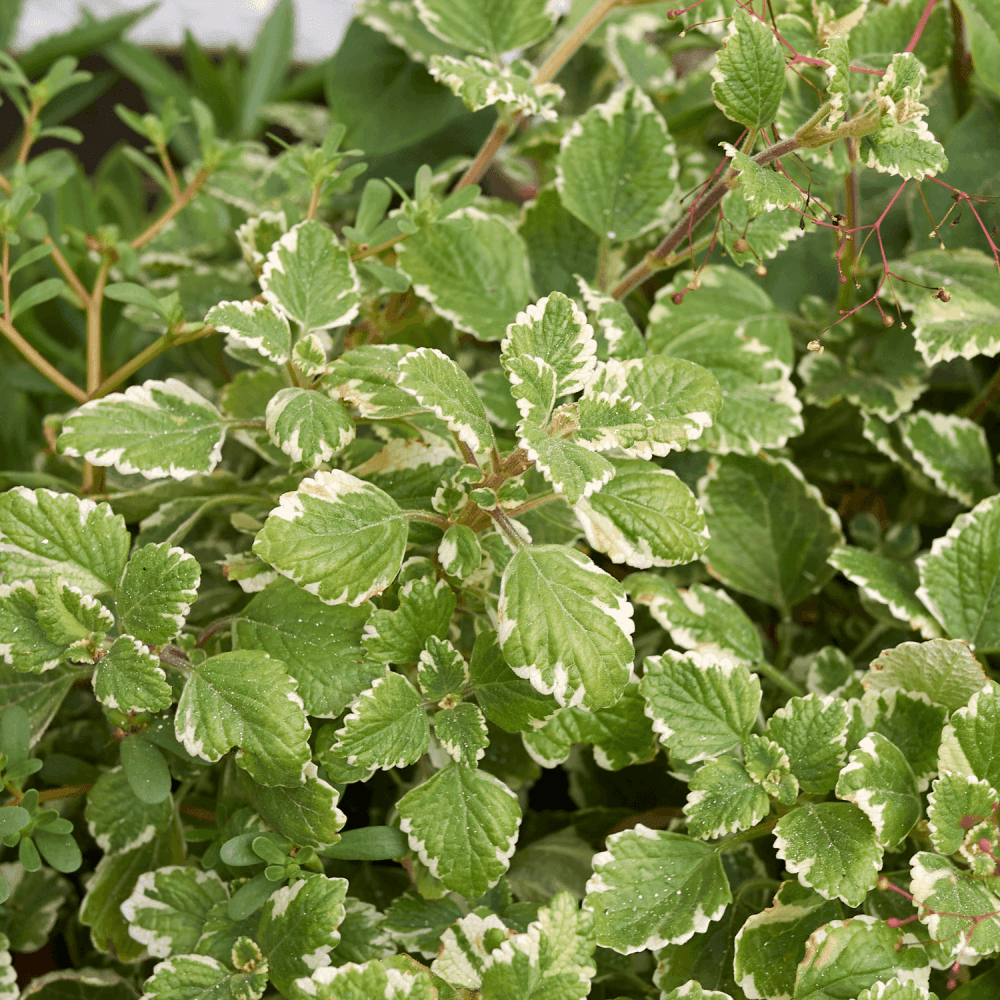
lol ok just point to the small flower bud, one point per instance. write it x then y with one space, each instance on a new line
816 346
943 295
888 321
677 298
761 271
741 245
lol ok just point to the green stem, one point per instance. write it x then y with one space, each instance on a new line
878 629
849 258
657 259
532 504
177 535
161 344
754 833
422 515
779 678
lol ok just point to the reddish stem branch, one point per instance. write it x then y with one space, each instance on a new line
921 24
693 218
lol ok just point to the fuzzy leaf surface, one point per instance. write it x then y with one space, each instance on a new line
463 824
652 888
156 429
617 167
245 699
565 626
771 533
337 536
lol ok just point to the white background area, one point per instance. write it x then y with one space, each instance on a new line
319 24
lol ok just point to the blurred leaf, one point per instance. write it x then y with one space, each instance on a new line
267 66
208 82
79 41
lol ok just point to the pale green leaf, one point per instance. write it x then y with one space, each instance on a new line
768 764
614 329
118 820
386 726
879 781
130 679
307 814
69 616
481 83
889 582
425 609
298 928
31 911
462 732
40 695
366 378
956 805
112 883
156 592
909 721
848 956
759 408
959 579
969 740
945 894
374 980
771 533
701 705
309 278
763 188
559 245
463 824
617 168
693 990
652 888
966 325
555 331
168 908
191 977
644 517
24 643
363 934
943 669
648 406
442 671
253 326
635 56
309 427
337 536
723 799
401 25
697 617
488 27
87 983
724 294
749 74
883 391
257 235
558 862
565 626
507 700
245 699
772 943
472 269
832 848
767 235
440 386
319 644
574 471
621 735
896 989
813 732
157 429
953 452
459 552
46 535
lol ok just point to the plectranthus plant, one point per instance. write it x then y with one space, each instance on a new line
568 569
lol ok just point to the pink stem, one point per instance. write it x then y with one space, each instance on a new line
921 24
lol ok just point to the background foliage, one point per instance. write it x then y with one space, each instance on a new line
508 511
